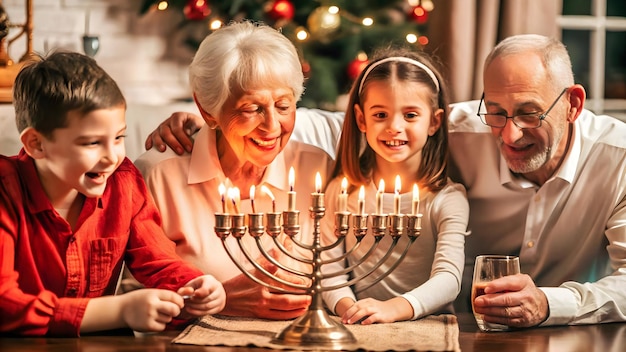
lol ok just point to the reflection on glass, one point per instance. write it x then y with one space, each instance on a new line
577 8
616 8
577 43
615 65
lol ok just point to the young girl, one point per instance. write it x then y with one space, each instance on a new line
396 125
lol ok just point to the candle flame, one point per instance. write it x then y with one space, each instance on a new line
292 178
398 184
222 189
381 186
344 186
267 191
416 192
252 191
362 193
233 194
318 183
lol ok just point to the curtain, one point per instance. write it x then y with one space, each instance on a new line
462 32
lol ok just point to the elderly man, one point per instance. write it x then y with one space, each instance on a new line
545 179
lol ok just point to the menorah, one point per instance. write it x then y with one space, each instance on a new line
315 328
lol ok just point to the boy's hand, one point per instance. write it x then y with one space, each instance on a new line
147 310
175 131
206 296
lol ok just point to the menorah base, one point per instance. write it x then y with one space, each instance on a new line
316 328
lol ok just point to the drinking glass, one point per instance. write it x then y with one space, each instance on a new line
488 268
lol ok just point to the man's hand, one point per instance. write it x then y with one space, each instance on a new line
175 132
513 301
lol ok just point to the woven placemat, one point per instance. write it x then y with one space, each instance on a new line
432 333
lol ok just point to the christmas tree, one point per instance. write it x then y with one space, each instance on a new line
334 37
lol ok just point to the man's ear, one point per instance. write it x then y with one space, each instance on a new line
32 141
576 96
208 118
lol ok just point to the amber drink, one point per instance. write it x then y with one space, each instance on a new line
486 269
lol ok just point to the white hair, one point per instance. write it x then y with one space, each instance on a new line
552 52
243 56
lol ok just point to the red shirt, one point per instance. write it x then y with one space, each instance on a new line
48 272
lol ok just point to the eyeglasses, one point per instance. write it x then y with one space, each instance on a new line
521 121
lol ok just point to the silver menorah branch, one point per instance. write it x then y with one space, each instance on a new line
315 328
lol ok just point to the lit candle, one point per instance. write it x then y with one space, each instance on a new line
361 202
317 197
396 196
269 193
379 196
415 206
252 191
222 189
318 183
233 194
343 196
291 195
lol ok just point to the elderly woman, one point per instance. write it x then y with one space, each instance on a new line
246 79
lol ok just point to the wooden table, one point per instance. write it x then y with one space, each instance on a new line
589 338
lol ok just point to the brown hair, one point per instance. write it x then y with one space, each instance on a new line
356 158
46 89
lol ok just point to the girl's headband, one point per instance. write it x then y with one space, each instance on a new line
401 59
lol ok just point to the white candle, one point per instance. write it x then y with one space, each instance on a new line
318 183
396 196
415 205
361 202
269 193
343 196
379 196
222 189
252 191
291 195
233 194
317 197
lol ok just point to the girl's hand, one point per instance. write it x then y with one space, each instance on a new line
369 311
206 296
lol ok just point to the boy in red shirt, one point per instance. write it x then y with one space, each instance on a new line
73 208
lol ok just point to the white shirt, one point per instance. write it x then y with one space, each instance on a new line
185 189
570 233
429 276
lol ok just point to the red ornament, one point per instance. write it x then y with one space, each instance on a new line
281 10
419 14
196 10
356 66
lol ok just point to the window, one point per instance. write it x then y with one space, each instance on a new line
594 32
